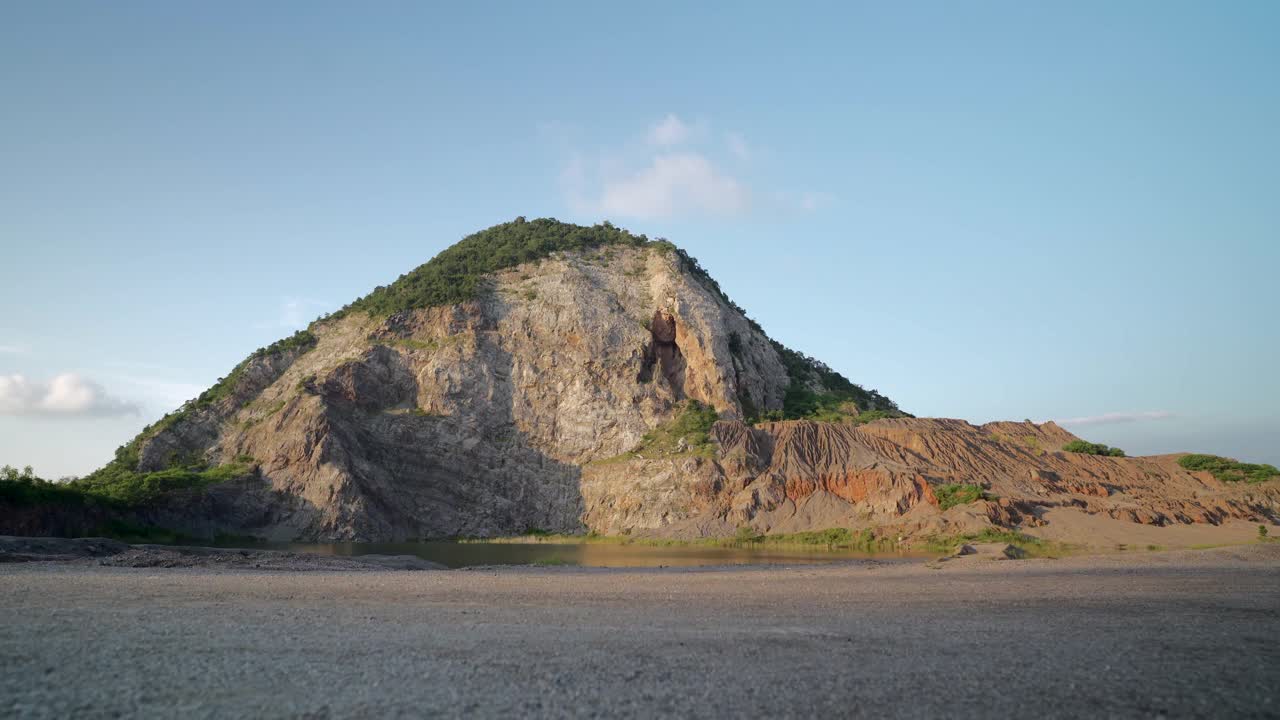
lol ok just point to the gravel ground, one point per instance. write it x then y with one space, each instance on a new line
1189 634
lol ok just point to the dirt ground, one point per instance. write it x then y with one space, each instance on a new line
1175 634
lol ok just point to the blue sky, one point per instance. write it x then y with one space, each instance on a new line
984 210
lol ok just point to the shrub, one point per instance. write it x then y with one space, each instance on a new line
692 424
1228 470
803 401
953 494
1088 448
1262 531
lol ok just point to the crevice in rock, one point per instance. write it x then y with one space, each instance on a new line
663 355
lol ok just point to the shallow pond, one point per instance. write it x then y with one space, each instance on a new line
470 554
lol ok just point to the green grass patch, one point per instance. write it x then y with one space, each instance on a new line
1032 546
1228 470
1088 448
865 540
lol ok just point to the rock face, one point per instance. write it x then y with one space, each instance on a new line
517 409
476 419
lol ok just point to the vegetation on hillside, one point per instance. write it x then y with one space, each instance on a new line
458 273
689 432
126 457
830 402
23 488
1088 448
301 341
1228 470
130 488
953 494
115 485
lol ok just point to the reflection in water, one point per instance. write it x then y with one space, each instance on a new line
456 555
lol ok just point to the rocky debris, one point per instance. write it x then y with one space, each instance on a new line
39 549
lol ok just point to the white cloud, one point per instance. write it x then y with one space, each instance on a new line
672 184
1117 417
671 131
675 168
66 395
14 349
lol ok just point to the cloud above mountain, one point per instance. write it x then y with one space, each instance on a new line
672 184
65 395
674 169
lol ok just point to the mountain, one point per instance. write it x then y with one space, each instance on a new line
541 375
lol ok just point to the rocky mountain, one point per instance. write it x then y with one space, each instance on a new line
573 379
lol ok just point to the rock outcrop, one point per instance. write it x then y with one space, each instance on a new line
520 406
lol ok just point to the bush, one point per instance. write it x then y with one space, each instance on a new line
1228 470
120 484
953 494
1088 448
23 488
113 486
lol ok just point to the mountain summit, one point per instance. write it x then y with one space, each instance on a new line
541 375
